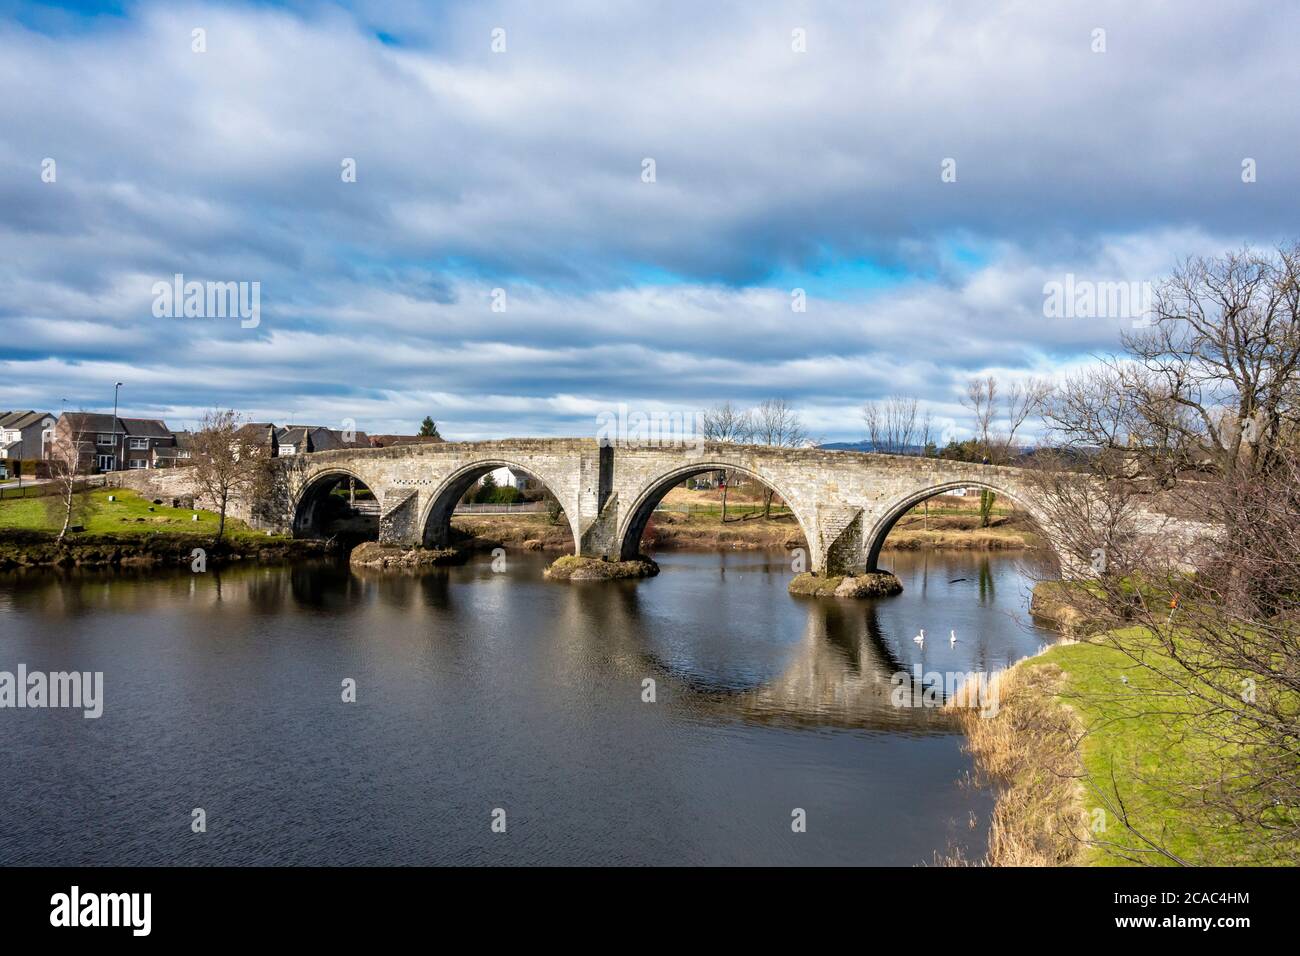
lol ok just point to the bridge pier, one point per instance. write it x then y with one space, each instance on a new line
840 530
599 538
399 517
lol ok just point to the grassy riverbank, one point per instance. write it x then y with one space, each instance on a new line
1098 761
128 530
128 514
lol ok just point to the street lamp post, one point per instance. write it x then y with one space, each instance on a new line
117 454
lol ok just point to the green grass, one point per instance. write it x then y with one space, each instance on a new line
128 514
1147 745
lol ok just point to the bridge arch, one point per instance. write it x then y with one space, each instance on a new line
313 516
435 519
893 513
633 521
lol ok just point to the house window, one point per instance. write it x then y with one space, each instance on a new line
106 462
140 443
137 463
105 440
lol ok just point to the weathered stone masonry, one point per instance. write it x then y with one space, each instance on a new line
845 502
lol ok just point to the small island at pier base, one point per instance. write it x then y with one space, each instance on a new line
381 557
867 584
573 568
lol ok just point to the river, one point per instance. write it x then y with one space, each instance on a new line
480 690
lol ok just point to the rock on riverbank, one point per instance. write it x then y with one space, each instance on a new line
868 585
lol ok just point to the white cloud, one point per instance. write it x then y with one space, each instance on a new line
522 171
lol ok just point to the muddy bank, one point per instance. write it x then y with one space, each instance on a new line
30 549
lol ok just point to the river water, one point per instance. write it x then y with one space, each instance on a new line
480 690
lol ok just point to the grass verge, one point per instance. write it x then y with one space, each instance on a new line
128 514
1098 761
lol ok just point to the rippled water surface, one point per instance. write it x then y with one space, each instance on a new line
479 690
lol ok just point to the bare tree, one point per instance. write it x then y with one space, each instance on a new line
68 476
926 434
1217 372
726 423
982 399
776 423
1213 617
1216 616
892 424
998 419
228 462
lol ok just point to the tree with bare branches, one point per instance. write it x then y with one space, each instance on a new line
68 475
727 423
777 424
1218 372
1197 421
228 461
893 427
998 415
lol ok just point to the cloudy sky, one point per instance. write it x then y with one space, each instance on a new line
523 170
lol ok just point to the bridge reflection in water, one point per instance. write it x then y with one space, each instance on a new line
836 668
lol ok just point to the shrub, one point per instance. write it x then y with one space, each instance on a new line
502 496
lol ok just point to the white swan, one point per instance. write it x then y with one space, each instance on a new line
920 638
952 638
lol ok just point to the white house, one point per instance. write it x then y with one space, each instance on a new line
510 478
26 434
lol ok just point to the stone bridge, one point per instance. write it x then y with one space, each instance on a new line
845 502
